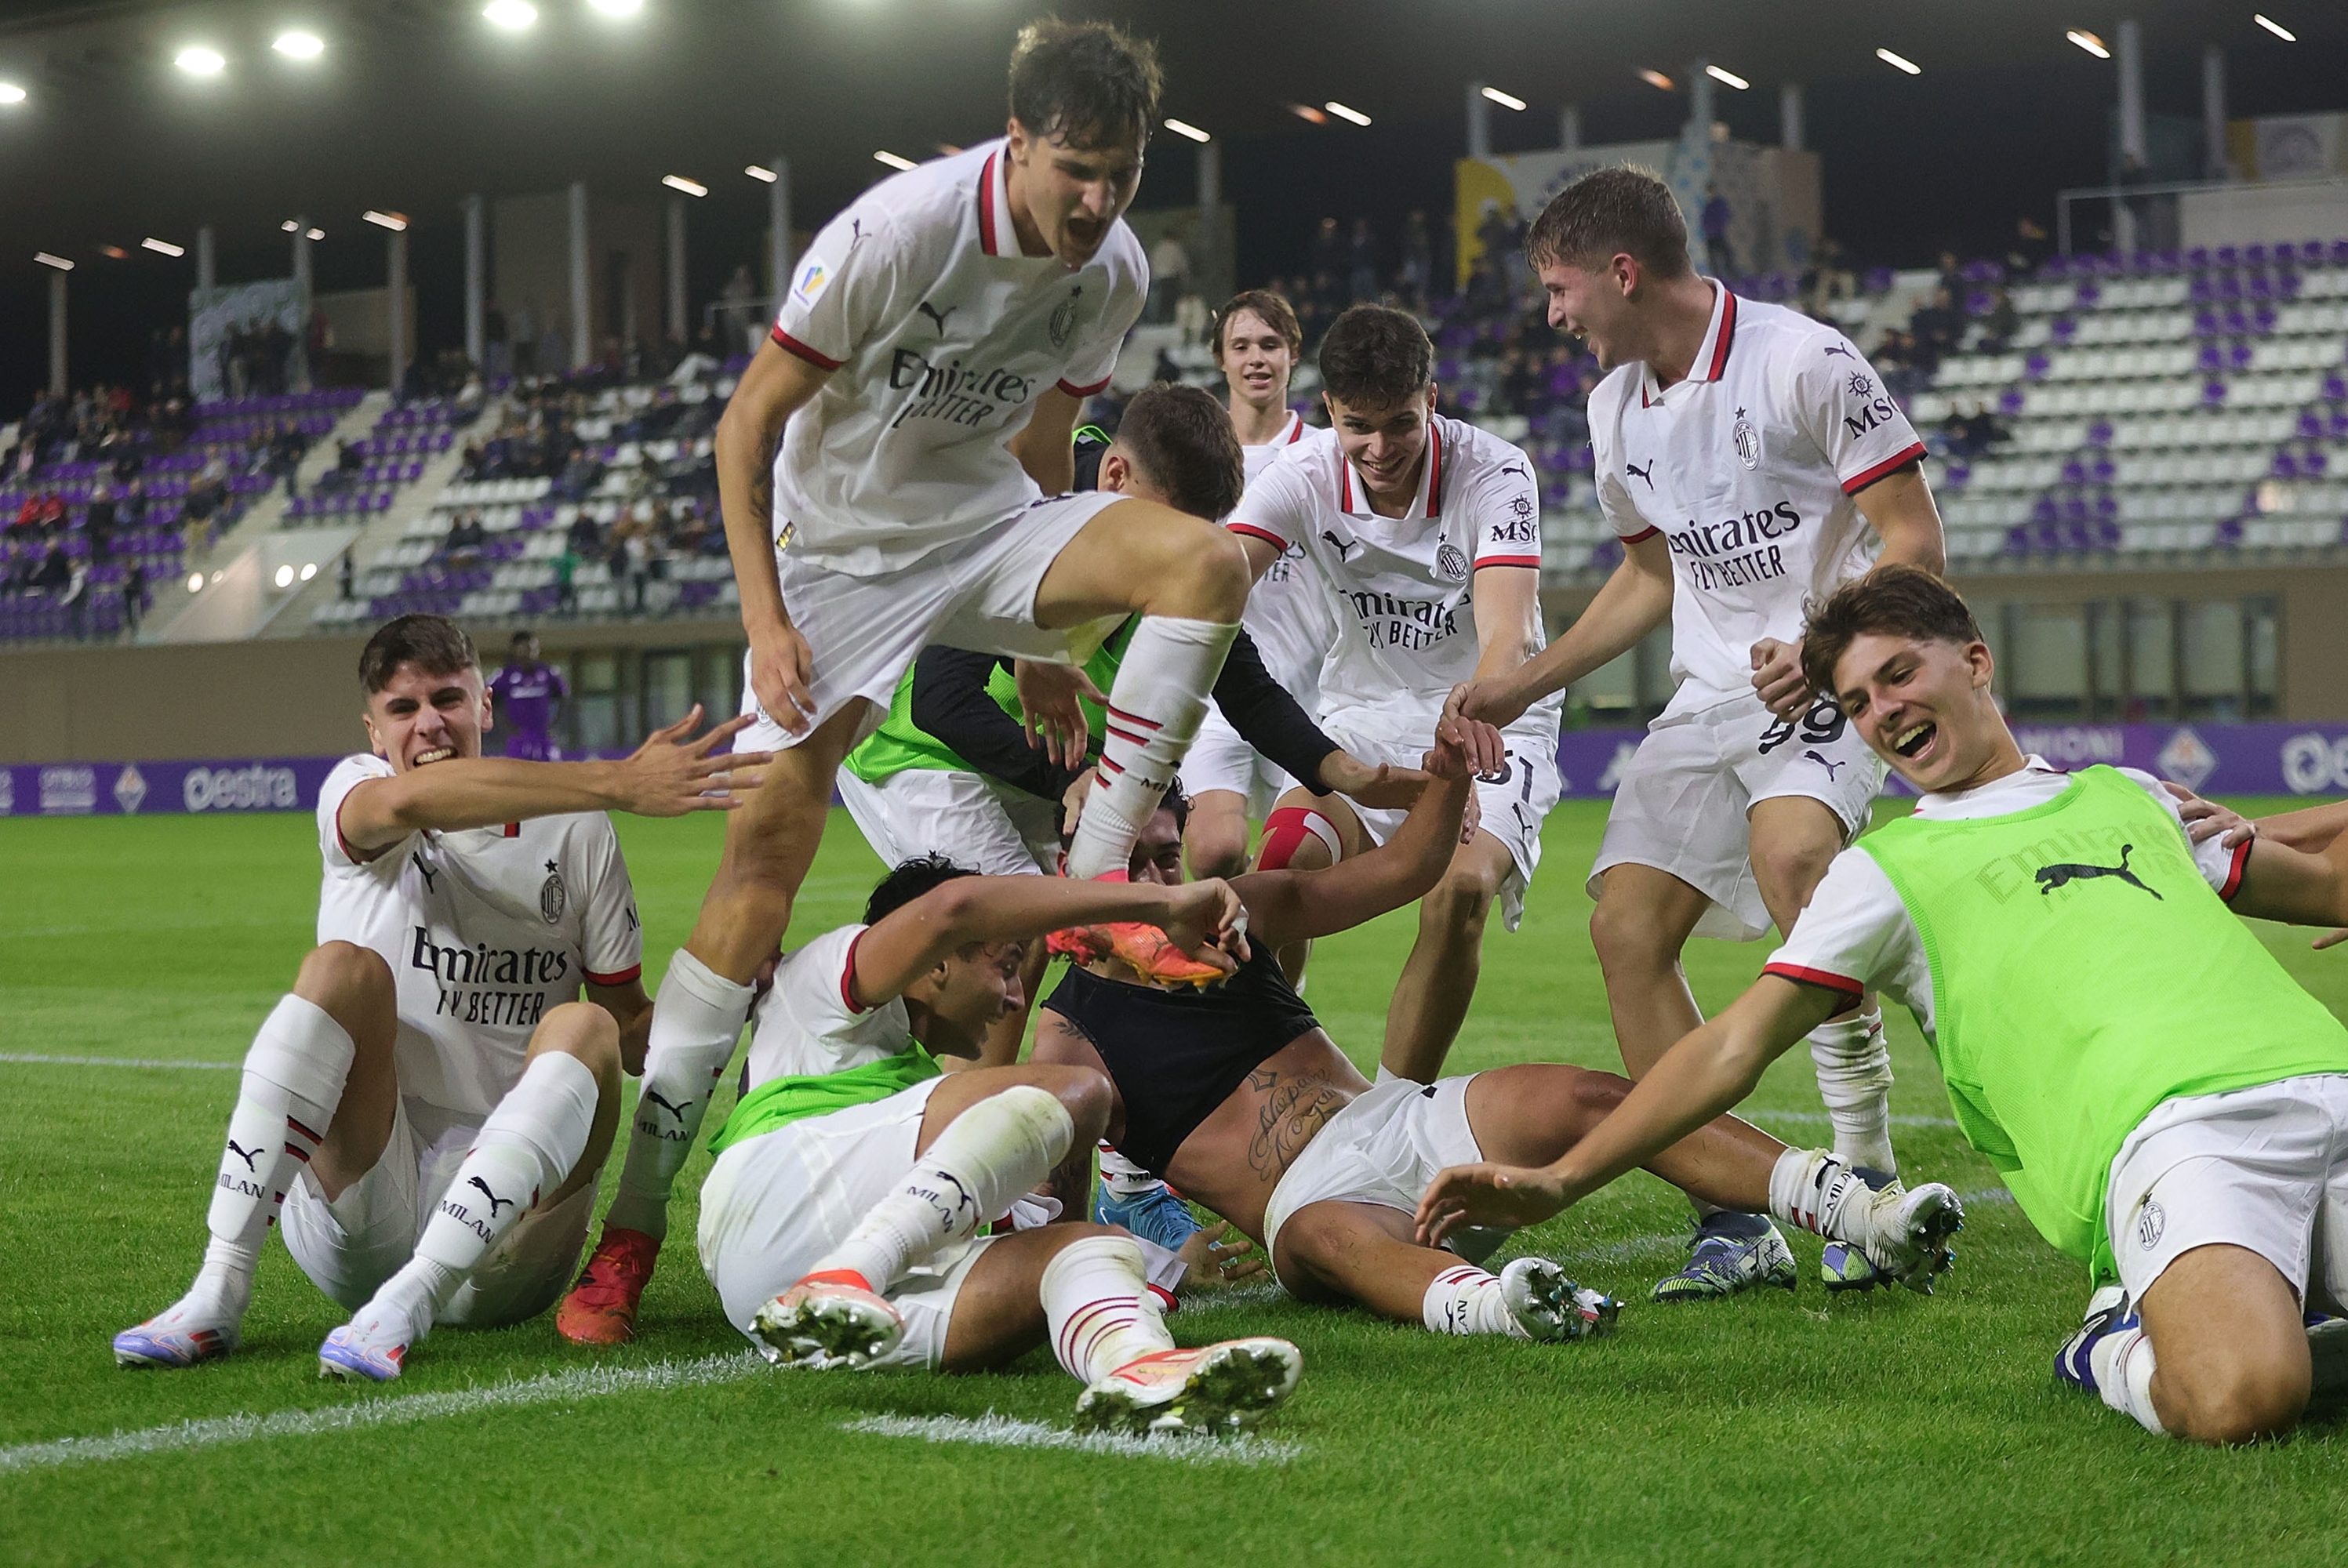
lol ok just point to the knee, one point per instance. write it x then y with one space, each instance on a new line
1218 848
350 982
584 1031
1461 901
2239 1403
1083 1091
1592 1097
1789 875
1626 939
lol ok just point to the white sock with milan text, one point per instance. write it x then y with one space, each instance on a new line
1854 1081
2123 1365
1467 1300
696 1021
1154 708
1101 1315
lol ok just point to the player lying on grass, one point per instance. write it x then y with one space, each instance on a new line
839 1223
1238 1097
430 1104
2166 1104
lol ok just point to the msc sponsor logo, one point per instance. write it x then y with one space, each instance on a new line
256 788
1868 414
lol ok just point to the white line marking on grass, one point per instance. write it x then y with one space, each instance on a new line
1000 1432
586 1382
1818 1116
33 1060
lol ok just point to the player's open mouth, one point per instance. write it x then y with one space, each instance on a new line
1911 741
437 754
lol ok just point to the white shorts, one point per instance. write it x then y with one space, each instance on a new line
974 821
350 1247
1682 801
864 632
1383 1149
2263 1168
774 1204
1514 806
1220 759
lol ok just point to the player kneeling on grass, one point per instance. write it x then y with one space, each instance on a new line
839 1223
1238 1097
2164 1104
431 1103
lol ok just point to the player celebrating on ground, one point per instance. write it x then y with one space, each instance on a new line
1240 1098
1428 532
529 695
1753 448
839 1223
1289 617
430 1104
931 357
2166 1106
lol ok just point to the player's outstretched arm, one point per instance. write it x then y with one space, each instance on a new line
1044 444
1205 919
1899 509
777 385
2280 883
669 775
1630 603
1707 1073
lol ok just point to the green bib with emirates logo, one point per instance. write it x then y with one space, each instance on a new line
2083 973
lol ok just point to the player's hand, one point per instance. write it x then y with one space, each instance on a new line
1489 699
2330 938
1072 799
1777 677
1207 921
1051 712
782 672
1219 1257
2206 819
1471 818
1467 746
1486 1195
669 775
1380 788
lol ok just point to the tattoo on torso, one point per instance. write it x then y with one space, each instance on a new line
1293 1110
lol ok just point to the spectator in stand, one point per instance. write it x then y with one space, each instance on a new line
286 450
1715 220
2001 322
53 515
1415 278
467 538
134 598
523 326
53 572
1937 329
1169 266
742 312
74 599
1361 265
1194 318
566 570
132 507
98 524
585 537
1328 248
344 574
493 338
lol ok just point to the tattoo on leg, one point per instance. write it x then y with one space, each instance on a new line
1291 1113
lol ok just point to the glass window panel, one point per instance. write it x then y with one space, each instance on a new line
668 689
2210 630
2106 663
2264 635
2049 671
2151 660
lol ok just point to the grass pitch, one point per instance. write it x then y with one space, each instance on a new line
1770 1428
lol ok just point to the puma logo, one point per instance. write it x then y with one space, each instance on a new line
241 1153
1342 547
2050 878
1516 469
1647 473
417 860
1843 349
495 1202
1832 768
937 317
655 1096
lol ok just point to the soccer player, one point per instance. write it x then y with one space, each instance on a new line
1744 453
923 380
430 1105
839 1223
2164 1104
1240 1097
1289 614
529 695
1427 532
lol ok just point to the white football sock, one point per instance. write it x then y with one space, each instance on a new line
1101 1317
2124 1366
695 1022
1154 708
1822 1192
1122 1177
294 1078
526 1149
1466 1300
986 1157
1854 1081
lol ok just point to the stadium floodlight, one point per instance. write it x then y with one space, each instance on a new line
679 182
1308 114
10 93
395 221
59 262
1730 77
317 234
617 8
1655 78
892 161
199 61
309 569
1899 62
1184 127
291 227
195 582
2090 43
1344 112
300 46
285 576
1505 101
513 16
114 252
760 171
2277 28
161 247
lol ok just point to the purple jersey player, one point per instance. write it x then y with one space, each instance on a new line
529 693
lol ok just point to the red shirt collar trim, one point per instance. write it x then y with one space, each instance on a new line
997 235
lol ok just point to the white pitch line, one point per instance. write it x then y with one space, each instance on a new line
992 1430
586 1382
33 1060
1757 1117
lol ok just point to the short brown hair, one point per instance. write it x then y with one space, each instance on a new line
433 643
1182 441
1274 312
1091 83
1607 212
1377 356
1895 599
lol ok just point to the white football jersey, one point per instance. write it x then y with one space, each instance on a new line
1747 468
806 1024
484 929
942 335
1401 587
1289 611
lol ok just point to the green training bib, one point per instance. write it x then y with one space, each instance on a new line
779 1101
900 743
